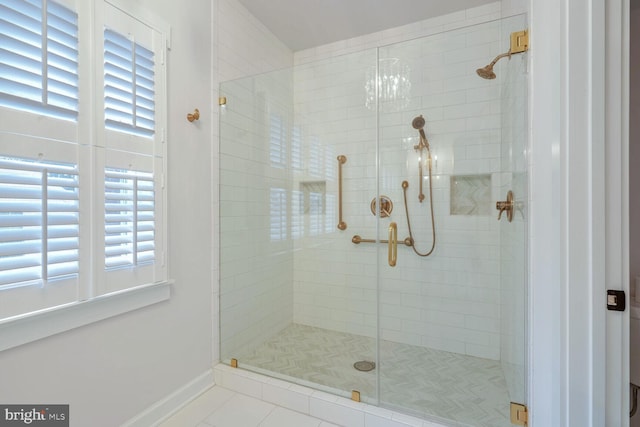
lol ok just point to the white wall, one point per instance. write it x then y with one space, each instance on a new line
634 146
245 46
112 370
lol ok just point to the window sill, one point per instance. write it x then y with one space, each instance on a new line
30 327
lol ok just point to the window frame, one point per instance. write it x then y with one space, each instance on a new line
95 300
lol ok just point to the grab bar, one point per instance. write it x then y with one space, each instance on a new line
341 224
357 240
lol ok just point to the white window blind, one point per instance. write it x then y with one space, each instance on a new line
39 57
39 222
128 85
129 218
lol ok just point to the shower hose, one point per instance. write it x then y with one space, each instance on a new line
405 185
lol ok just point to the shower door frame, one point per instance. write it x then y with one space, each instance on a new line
616 167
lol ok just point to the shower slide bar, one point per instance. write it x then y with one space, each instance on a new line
357 240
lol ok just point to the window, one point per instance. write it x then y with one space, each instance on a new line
57 247
132 152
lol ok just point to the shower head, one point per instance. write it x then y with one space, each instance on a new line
487 71
418 123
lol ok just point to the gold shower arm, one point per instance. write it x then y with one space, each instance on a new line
499 57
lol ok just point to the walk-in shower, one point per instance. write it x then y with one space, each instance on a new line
312 165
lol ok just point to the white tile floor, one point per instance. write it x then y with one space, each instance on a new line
220 407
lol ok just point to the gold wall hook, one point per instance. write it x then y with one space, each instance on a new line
194 116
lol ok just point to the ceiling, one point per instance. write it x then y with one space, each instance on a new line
302 24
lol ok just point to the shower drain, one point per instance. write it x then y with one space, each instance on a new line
364 365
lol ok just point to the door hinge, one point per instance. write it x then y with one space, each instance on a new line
519 42
519 414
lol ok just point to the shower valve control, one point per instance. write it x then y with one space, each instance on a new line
506 206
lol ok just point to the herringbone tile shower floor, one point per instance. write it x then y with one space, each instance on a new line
432 383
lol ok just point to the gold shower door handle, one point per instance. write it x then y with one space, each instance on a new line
393 244
506 206
341 161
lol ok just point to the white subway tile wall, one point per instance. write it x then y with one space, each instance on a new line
450 300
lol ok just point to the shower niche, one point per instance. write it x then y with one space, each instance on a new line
313 196
470 195
444 334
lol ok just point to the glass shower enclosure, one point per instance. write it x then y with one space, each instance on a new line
361 251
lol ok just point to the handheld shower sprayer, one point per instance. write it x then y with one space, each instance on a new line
418 124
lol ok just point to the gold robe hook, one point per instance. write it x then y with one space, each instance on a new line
193 116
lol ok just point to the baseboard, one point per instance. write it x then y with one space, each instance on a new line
166 407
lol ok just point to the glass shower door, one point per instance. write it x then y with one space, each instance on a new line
298 299
452 294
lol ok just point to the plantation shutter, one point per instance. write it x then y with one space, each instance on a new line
39 58
128 85
82 194
129 218
133 160
38 222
